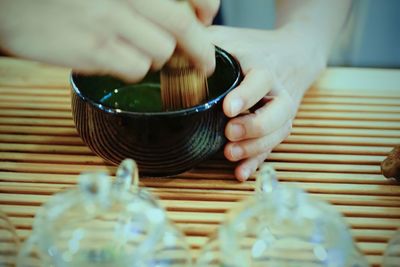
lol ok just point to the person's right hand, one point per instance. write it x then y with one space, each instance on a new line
124 38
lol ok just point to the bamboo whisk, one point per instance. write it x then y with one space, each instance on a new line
182 85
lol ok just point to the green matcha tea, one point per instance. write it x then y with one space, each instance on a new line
143 97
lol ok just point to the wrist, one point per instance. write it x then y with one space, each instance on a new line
307 41
306 59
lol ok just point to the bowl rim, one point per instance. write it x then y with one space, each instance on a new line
195 109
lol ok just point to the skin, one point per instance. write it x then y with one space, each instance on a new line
87 35
279 66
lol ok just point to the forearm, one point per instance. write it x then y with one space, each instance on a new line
315 22
311 27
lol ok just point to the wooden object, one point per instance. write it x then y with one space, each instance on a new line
182 85
348 121
391 165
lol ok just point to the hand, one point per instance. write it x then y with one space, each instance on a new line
205 9
124 38
278 66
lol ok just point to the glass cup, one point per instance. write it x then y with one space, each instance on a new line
104 224
9 242
281 226
391 257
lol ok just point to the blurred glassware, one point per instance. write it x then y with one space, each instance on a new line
282 226
9 242
104 224
391 257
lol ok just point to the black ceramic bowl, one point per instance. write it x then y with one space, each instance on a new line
117 126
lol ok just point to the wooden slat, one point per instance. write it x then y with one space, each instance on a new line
344 128
40 148
333 149
214 178
35 106
343 140
49 168
305 167
382 195
351 81
297 148
350 108
181 212
34 91
302 167
40 139
50 158
38 130
195 195
287 157
325 158
36 121
353 101
362 116
345 132
28 74
34 99
351 124
35 114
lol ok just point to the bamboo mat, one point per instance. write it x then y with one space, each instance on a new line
348 121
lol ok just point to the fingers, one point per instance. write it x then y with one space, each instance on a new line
254 151
264 121
146 36
206 9
235 151
256 84
178 19
249 166
254 135
118 58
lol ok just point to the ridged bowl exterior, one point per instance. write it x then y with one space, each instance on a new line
163 143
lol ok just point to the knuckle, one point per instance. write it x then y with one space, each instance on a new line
207 9
260 128
183 23
164 53
264 72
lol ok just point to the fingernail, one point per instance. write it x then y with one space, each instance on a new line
236 152
236 106
236 131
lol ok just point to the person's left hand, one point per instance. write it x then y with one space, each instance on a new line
278 66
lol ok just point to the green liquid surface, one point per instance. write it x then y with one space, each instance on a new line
144 97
